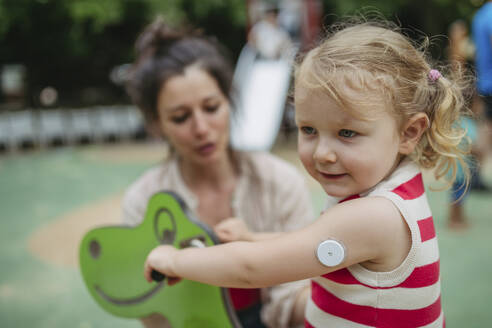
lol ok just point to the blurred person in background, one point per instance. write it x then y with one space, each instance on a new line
267 37
182 82
461 52
290 18
482 37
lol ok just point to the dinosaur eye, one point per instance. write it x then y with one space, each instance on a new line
94 249
164 226
168 236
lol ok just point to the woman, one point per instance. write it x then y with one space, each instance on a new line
183 83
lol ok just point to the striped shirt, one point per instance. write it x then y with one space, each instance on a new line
408 296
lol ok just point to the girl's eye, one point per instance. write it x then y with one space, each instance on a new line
344 133
180 118
308 130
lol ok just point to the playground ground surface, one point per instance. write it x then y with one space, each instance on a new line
50 198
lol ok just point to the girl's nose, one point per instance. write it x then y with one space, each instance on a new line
324 153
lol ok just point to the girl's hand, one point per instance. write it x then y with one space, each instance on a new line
161 259
233 229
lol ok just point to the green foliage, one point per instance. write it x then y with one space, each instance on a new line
431 16
418 17
73 44
4 19
209 15
101 12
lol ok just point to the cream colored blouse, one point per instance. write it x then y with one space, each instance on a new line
271 195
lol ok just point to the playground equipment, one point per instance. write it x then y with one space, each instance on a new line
112 259
263 85
30 128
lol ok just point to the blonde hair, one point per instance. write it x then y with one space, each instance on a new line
377 58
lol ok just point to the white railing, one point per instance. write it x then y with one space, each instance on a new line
44 128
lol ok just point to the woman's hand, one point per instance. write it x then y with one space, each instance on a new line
161 259
233 229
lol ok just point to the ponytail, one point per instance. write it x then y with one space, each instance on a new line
444 145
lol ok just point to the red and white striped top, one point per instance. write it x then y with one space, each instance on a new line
408 296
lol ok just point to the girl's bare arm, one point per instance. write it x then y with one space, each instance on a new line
369 228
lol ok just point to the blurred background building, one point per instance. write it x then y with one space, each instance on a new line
57 56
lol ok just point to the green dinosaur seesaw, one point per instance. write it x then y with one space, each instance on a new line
111 263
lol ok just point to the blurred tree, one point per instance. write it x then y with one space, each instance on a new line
421 17
73 45
225 19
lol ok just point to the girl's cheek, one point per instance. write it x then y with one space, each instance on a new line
306 157
301 150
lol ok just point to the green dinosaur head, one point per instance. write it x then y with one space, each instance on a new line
112 259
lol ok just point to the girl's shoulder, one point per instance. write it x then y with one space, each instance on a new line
405 181
405 189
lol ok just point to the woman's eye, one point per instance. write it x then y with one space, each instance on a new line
308 130
180 118
211 109
347 133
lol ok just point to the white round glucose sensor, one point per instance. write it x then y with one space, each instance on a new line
330 253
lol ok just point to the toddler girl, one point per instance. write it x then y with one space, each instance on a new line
371 112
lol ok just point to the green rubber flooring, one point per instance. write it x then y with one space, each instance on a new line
40 188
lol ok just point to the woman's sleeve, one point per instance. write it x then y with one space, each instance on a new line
132 211
278 303
294 210
137 195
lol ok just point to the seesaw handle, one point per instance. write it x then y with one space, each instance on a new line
157 276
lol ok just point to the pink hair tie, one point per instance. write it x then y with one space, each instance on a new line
434 75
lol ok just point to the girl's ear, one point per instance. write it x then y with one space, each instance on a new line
412 132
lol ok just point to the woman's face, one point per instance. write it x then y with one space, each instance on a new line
194 116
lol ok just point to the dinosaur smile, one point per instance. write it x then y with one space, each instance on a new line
129 301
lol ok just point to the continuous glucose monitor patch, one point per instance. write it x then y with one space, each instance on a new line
330 253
